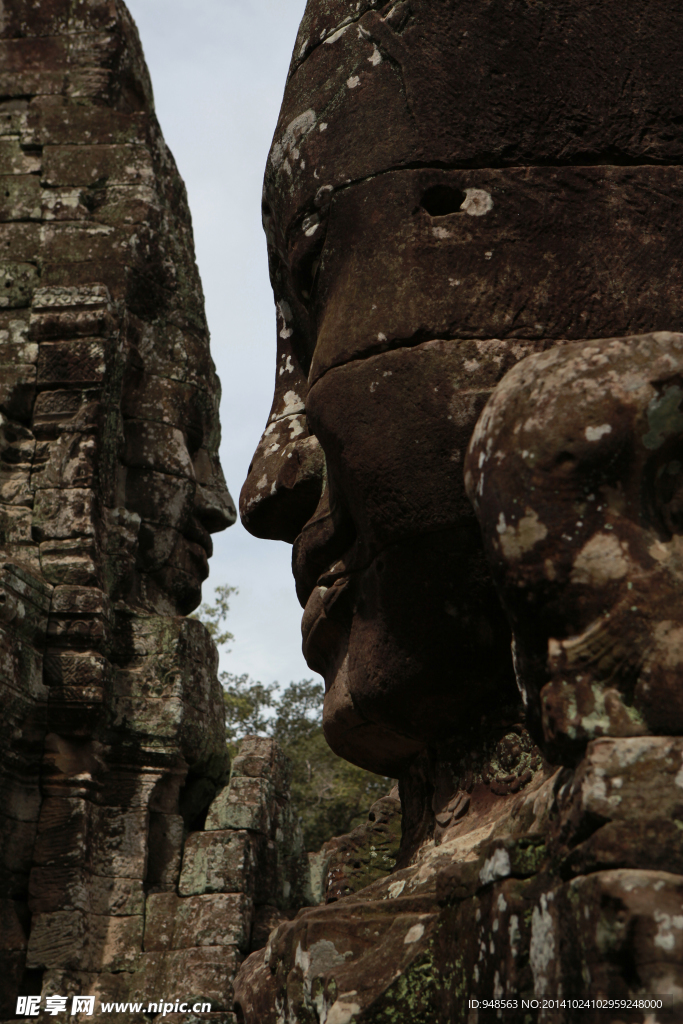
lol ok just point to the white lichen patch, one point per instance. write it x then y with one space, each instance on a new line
297 426
414 934
595 433
295 130
353 82
478 202
440 232
342 1012
514 934
495 867
599 561
338 33
542 947
396 888
310 225
515 541
667 926
376 57
292 404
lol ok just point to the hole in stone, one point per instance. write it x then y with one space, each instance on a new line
371 816
440 200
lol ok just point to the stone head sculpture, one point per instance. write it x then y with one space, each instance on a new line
110 486
575 472
451 187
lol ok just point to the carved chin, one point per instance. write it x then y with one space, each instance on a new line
355 738
178 584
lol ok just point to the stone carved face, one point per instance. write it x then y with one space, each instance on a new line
576 473
424 235
171 474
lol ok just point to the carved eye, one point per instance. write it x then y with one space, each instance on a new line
306 252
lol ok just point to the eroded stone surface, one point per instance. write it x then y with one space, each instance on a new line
110 487
458 198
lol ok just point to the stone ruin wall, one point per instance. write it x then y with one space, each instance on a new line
112 748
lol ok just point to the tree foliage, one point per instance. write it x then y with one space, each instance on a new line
214 615
330 795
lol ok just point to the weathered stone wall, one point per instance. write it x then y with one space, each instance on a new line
110 486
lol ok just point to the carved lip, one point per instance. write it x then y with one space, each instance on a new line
199 535
326 622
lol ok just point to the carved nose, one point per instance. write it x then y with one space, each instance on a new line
284 484
213 505
285 479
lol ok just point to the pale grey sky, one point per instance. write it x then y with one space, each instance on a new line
218 68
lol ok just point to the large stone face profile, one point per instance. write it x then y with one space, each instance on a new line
460 198
113 746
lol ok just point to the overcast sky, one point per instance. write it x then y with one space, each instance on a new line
218 68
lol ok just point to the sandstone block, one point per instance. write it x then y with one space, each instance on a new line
87 165
55 408
613 917
23 200
193 975
69 123
219 861
71 362
246 803
173 922
14 160
56 888
114 943
63 514
261 757
629 778
14 485
118 841
62 832
22 239
72 561
18 281
57 940
166 835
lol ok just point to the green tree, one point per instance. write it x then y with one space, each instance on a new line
330 795
214 615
